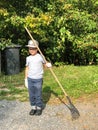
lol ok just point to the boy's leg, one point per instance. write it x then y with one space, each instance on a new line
38 93
31 91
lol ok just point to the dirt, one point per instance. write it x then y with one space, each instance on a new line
14 115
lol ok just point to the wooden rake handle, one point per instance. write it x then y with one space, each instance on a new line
46 62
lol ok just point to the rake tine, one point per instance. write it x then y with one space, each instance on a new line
74 111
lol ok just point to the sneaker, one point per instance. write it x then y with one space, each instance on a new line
38 112
32 112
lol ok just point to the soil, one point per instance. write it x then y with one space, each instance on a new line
57 115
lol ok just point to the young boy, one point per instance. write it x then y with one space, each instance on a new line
34 77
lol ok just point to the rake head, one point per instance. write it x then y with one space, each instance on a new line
74 111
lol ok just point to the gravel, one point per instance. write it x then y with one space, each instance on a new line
14 115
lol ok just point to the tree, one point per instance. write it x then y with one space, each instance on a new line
65 29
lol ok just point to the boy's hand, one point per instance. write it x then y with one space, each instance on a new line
48 65
26 83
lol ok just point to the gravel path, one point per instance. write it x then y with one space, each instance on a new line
14 116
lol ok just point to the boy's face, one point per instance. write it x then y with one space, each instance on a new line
32 51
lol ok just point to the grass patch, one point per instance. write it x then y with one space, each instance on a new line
77 81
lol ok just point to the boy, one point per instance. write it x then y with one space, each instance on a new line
34 77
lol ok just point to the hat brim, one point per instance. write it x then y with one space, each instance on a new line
31 46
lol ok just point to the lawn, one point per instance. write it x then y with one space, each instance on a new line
77 81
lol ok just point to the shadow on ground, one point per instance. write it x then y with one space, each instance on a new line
73 110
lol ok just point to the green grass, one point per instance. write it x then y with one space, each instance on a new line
77 81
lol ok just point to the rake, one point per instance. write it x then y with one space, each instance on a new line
72 108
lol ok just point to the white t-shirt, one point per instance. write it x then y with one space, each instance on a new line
35 64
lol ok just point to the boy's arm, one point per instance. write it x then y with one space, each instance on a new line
26 72
26 75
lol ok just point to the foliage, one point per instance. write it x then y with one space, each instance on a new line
67 30
5 43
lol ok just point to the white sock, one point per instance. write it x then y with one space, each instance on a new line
38 108
34 107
